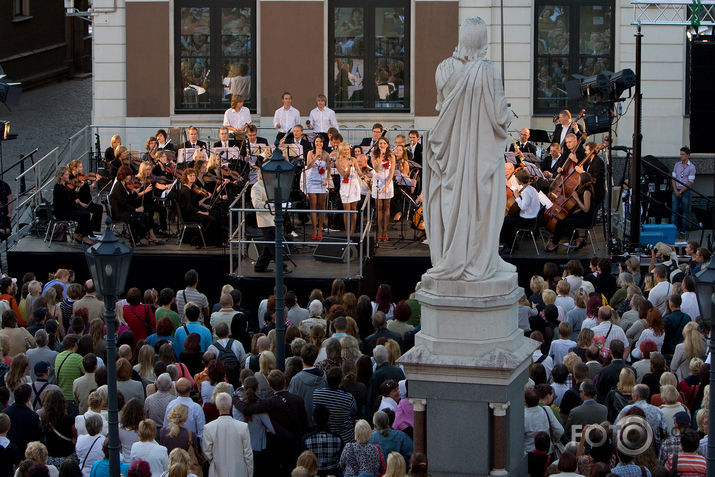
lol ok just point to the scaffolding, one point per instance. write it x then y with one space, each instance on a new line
673 13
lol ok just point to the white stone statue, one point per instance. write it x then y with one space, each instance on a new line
464 184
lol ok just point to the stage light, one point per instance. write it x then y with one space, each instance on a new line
600 88
5 127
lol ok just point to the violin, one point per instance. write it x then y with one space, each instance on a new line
198 190
90 176
133 184
228 173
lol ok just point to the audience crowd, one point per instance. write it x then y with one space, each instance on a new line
199 389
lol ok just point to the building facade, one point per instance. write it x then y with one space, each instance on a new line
176 62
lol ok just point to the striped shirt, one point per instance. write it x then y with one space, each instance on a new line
684 173
689 465
342 409
187 295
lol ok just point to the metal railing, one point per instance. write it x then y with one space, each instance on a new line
238 240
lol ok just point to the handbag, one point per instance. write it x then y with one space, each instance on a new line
558 447
196 459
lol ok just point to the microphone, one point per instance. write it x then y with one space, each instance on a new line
307 122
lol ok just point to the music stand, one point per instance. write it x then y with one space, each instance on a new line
539 135
533 170
530 157
186 154
510 158
227 153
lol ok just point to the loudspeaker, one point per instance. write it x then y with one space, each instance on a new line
330 251
702 100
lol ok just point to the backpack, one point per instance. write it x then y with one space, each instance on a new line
229 359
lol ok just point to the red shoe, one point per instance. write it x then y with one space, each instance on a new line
318 237
314 237
385 239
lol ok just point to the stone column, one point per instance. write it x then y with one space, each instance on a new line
499 433
469 360
419 430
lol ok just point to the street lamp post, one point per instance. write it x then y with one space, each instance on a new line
277 176
705 289
108 261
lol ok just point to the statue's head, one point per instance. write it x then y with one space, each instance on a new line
472 39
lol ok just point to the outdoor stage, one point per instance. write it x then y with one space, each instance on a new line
397 263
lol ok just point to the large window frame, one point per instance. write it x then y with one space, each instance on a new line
371 101
216 100
574 53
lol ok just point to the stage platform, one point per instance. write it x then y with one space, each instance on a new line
399 263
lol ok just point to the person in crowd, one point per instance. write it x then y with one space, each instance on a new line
148 450
361 457
658 295
609 375
132 414
341 404
89 445
96 403
538 418
622 395
309 379
222 439
194 421
101 467
325 444
57 427
389 439
155 404
25 422
193 325
674 323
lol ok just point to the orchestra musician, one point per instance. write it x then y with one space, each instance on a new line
67 206
126 207
114 143
597 168
363 165
552 162
193 139
122 157
383 165
401 140
317 177
253 138
162 141
322 118
163 167
415 146
571 153
579 216
152 148
149 187
191 202
564 126
297 137
237 117
377 131
224 140
349 183
402 164
523 145
83 187
527 200
286 116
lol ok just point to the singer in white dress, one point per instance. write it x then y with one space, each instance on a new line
349 184
317 177
383 165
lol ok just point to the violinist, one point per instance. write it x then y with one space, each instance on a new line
114 143
317 177
122 157
126 207
163 167
83 186
527 200
383 165
364 172
148 189
152 147
190 201
349 184
580 216
162 141
67 206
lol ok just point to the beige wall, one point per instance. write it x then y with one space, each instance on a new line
291 54
148 81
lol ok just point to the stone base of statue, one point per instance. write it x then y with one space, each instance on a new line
466 377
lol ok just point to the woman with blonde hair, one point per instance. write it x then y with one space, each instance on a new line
53 306
621 395
361 456
537 284
395 465
669 394
266 364
145 364
37 452
393 351
34 292
583 341
149 450
179 462
350 348
308 461
175 435
693 346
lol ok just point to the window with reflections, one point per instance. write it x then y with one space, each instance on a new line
572 37
215 54
369 55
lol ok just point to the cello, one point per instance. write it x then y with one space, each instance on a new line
562 207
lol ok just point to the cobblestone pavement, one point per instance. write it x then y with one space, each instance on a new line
44 119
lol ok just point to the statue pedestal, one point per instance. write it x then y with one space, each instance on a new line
467 373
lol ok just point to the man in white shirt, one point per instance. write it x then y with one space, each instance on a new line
658 296
609 330
322 117
196 420
527 200
190 293
237 117
689 306
225 314
286 116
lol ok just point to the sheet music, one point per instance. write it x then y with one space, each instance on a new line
230 153
513 183
261 149
186 154
403 180
291 150
509 157
544 200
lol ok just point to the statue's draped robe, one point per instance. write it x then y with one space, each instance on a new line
465 188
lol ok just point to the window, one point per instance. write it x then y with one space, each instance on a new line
215 54
20 8
369 57
571 37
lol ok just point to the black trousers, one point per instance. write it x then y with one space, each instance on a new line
96 212
81 216
511 225
267 250
568 224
